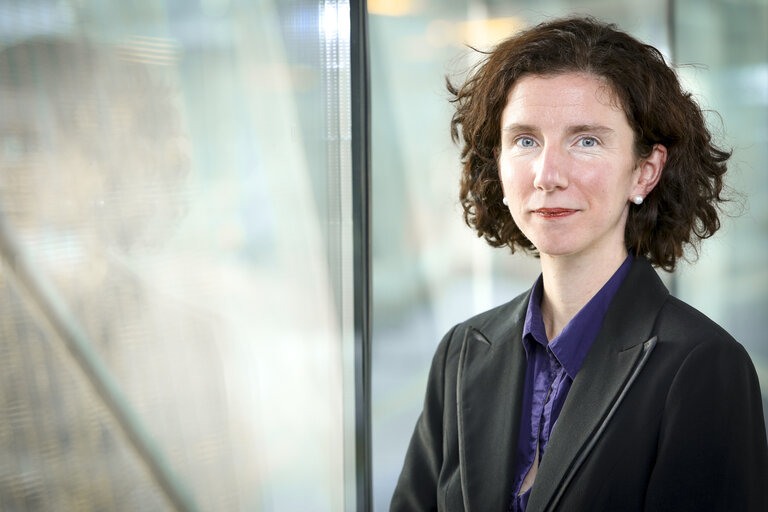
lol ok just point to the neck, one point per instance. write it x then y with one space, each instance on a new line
570 282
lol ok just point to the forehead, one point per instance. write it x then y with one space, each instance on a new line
577 97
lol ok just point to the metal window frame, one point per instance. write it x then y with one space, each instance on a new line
361 211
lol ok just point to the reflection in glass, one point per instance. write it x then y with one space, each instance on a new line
170 174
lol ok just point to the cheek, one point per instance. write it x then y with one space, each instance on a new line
512 179
605 181
610 196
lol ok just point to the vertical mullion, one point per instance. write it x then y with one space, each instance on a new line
360 96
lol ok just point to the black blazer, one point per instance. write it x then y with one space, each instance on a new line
665 414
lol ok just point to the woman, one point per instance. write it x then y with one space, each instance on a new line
596 389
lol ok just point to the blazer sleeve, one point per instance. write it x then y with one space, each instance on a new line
416 488
712 452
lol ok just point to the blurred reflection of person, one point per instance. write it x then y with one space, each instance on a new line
596 389
91 181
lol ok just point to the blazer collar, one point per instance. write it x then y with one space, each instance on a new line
490 384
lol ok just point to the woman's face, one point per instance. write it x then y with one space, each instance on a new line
567 165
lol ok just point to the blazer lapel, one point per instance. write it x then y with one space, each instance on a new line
616 356
489 392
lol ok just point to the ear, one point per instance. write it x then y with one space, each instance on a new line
650 170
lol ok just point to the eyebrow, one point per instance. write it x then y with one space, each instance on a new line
578 128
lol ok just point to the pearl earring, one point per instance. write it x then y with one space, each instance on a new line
505 201
637 199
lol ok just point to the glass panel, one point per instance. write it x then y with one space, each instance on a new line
178 173
430 271
729 283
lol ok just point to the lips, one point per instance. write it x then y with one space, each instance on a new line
554 212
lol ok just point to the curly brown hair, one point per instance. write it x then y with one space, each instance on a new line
681 210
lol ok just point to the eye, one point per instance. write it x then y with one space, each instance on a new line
525 142
588 142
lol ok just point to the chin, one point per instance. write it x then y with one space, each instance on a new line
556 247
556 253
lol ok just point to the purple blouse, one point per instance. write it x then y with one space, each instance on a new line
551 368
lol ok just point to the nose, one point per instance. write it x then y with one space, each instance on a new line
551 170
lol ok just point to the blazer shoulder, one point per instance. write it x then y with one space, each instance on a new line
501 311
496 325
498 320
682 324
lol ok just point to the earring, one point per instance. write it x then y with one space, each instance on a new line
637 199
505 201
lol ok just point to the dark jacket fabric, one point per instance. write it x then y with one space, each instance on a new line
665 414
